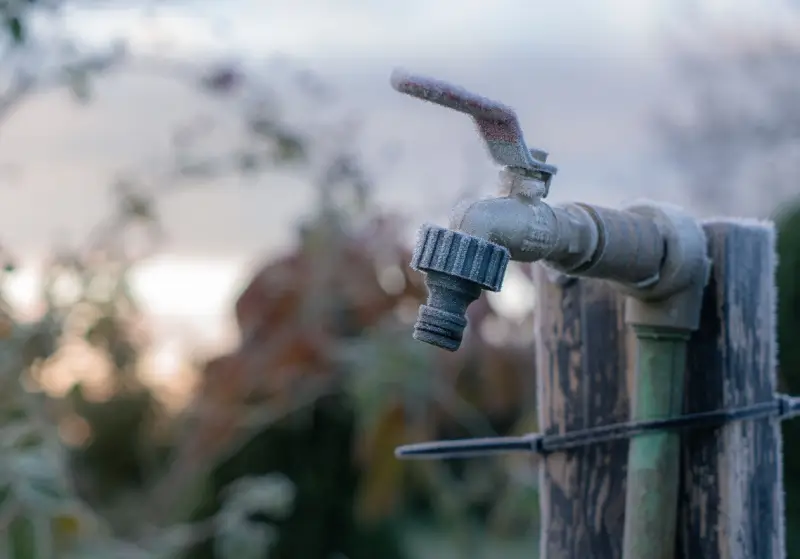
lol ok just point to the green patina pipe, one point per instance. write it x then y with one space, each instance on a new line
651 506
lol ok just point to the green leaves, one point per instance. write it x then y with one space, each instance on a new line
5 495
15 28
15 15
22 539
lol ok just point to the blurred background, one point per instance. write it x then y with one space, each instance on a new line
206 216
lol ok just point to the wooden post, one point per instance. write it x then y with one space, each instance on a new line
583 375
732 487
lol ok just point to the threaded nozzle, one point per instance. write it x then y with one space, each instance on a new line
441 322
439 328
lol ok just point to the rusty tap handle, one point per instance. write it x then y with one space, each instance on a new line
497 123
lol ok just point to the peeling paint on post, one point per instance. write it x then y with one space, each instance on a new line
731 502
583 374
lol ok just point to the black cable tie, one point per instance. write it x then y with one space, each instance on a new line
782 407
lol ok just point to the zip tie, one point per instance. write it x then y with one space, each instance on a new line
782 407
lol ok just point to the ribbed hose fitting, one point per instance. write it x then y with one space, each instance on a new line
457 267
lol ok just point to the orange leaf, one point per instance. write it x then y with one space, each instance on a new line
382 482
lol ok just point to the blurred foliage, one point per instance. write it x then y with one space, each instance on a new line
788 278
251 502
16 14
40 511
287 448
321 321
42 514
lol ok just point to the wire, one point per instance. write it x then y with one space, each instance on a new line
782 407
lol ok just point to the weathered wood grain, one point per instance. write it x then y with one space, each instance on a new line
582 381
732 492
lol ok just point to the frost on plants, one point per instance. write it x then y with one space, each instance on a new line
245 526
39 510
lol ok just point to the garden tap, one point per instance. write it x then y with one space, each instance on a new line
471 255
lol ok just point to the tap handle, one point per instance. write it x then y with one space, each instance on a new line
497 123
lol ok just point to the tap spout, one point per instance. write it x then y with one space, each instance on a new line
626 247
530 229
471 255
576 239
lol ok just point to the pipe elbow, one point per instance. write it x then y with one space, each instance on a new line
527 228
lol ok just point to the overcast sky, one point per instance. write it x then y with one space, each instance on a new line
585 77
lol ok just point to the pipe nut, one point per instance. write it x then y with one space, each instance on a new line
457 254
